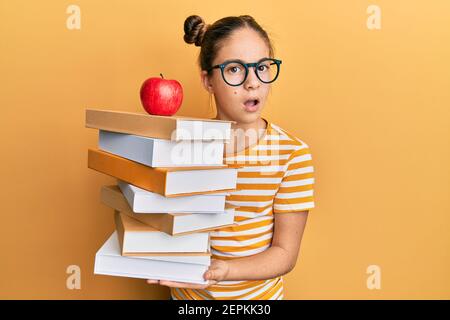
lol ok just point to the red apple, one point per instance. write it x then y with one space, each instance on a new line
161 96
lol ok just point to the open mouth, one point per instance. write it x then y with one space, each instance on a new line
251 104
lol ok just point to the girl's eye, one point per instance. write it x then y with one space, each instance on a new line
262 68
234 69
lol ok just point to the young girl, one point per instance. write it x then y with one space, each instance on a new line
275 183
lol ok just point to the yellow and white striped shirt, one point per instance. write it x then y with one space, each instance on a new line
276 177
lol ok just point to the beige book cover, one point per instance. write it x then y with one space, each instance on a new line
169 182
162 127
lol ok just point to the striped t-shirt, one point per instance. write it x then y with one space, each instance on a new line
276 177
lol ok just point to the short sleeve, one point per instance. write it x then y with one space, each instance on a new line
296 191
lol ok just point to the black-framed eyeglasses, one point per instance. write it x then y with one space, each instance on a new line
235 72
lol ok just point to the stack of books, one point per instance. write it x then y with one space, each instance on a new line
170 192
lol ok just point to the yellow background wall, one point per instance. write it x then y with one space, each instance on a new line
372 104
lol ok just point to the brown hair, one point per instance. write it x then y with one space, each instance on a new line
210 36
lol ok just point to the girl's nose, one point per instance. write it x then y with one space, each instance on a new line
252 80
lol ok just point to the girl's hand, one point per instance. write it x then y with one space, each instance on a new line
217 271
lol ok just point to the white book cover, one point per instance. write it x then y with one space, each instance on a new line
139 238
143 201
191 129
108 261
186 182
160 152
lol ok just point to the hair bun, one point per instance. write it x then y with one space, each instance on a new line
194 30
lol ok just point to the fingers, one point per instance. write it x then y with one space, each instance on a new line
210 274
215 273
217 270
151 281
175 284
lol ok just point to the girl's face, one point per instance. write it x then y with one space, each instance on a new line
246 45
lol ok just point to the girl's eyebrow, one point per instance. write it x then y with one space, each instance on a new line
241 61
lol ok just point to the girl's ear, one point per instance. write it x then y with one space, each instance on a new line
206 81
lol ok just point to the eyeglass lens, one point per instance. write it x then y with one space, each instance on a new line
234 72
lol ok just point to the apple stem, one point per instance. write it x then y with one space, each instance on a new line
161 75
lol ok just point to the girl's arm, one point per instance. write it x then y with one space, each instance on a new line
280 258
